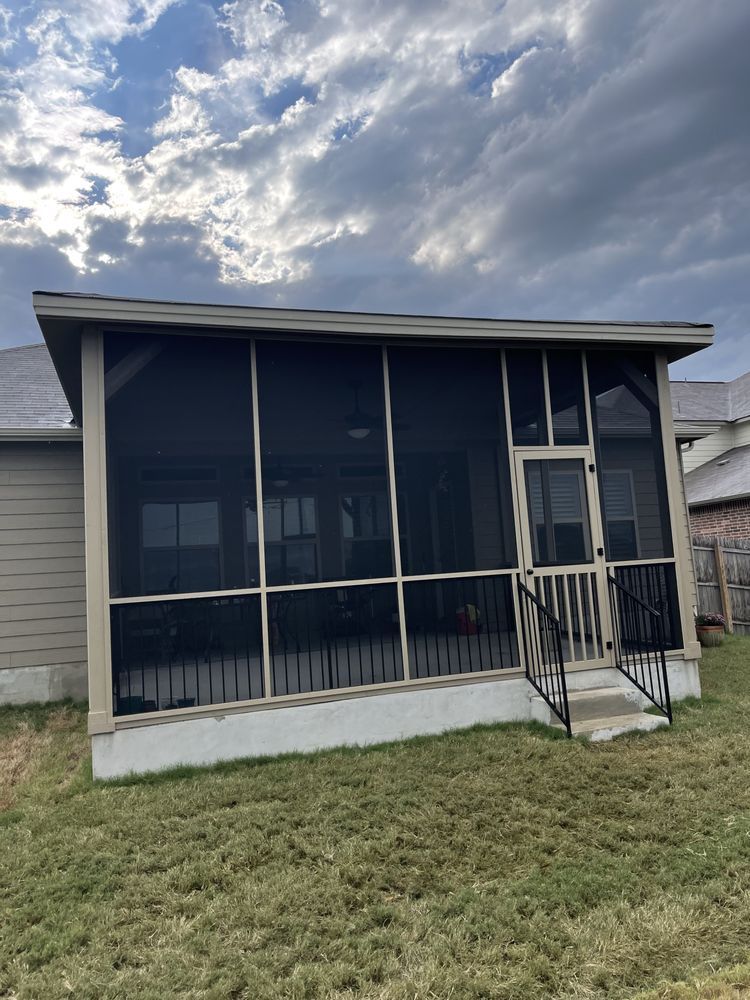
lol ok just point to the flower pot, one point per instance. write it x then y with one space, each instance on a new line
710 635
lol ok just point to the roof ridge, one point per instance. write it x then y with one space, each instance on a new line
22 347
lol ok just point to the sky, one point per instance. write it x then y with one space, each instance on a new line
578 159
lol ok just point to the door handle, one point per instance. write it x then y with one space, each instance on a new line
529 572
600 552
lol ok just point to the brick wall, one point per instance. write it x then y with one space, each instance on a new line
730 519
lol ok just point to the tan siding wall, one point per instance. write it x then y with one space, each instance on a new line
742 434
707 448
42 563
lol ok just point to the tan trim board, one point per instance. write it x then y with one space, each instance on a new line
113 310
294 588
683 559
393 499
662 560
265 628
311 698
189 596
97 561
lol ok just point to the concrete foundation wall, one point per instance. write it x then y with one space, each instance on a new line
51 682
349 722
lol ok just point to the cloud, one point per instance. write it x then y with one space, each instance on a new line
571 159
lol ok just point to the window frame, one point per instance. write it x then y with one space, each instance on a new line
143 501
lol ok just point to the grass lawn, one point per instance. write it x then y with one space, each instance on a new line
502 862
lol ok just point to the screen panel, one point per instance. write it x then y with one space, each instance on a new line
630 455
322 433
179 460
451 456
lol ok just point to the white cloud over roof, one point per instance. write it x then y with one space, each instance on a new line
544 159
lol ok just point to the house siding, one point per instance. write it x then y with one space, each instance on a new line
42 572
704 449
742 434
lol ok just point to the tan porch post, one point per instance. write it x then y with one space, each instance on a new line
677 511
97 561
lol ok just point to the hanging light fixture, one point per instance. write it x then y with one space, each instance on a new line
279 476
358 423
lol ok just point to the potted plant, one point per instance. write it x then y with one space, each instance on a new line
710 628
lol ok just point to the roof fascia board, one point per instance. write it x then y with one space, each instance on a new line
699 428
104 310
718 499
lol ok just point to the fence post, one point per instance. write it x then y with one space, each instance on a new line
721 572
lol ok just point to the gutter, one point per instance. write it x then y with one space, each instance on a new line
41 434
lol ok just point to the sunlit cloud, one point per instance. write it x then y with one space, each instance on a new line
563 159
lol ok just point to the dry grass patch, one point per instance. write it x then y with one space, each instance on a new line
44 742
19 752
501 863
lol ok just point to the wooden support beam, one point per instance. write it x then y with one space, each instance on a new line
721 573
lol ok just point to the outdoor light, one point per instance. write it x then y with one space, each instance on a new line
279 477
358 424
358 432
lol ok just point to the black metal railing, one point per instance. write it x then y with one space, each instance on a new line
639 646
186 653
656 585
460 626
542 645
325 639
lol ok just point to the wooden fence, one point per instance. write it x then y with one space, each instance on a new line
722 569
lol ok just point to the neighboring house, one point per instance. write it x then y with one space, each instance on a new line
42 571
712 420
307 529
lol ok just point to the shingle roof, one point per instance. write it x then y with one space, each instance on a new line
31 396
711 401
723 478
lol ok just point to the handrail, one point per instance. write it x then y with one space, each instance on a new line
542 643
639 646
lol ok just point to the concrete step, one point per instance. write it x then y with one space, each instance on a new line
601 703
601 713
600 730
591 703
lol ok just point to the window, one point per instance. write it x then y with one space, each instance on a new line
290 535
558 512
366 529
452 470
180 546
619 502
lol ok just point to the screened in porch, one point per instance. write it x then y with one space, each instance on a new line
298 519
